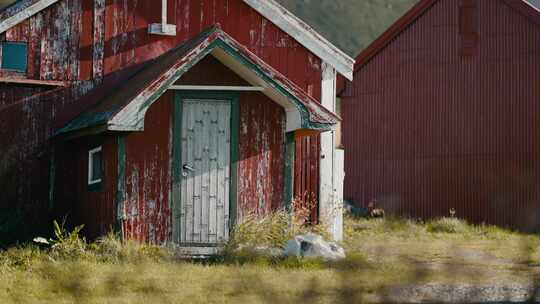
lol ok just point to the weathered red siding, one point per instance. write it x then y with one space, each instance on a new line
80 40
262 152
306 174
75 202
26 121
148 177
61 46
428 128
93 208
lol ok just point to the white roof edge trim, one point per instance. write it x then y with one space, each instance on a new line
305 35
24 13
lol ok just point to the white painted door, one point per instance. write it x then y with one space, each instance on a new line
205 182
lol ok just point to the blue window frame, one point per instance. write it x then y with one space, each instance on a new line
14 56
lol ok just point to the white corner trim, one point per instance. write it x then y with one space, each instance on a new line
24 14
328 87
330 212
305 35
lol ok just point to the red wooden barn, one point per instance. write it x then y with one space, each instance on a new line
168 121
444 113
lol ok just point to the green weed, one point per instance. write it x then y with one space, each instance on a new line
448 225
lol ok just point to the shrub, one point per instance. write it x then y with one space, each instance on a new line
448 225
112 249
353 262
271 230
107 249
254 239
67 244
21 257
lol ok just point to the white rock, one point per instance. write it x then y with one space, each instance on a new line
314 246
41 240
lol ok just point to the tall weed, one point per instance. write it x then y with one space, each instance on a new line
259 239
448 225
273 230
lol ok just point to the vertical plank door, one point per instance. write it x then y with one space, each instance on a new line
206 163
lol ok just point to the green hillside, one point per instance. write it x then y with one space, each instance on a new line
350 24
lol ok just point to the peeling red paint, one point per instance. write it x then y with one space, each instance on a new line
147 211
262 155
81 42
306 173
148 178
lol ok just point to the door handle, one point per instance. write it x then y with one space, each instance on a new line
189 168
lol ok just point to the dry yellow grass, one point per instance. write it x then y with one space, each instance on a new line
382 253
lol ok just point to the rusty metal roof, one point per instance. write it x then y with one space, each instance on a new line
124 97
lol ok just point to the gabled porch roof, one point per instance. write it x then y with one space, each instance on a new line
123 101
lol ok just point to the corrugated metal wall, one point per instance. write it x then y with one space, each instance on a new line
79 40
427 129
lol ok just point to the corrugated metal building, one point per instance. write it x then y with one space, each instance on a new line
169 122
444 112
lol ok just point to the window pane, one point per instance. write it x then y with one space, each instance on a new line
14 56
97 166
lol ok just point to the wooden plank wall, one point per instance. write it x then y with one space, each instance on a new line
94 208
260 168
147 211
262 155
81 41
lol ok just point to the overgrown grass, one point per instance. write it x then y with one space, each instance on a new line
381 253
260 239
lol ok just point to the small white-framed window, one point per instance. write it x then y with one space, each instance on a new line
95 166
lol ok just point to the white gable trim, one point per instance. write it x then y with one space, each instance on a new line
305 35
22 13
